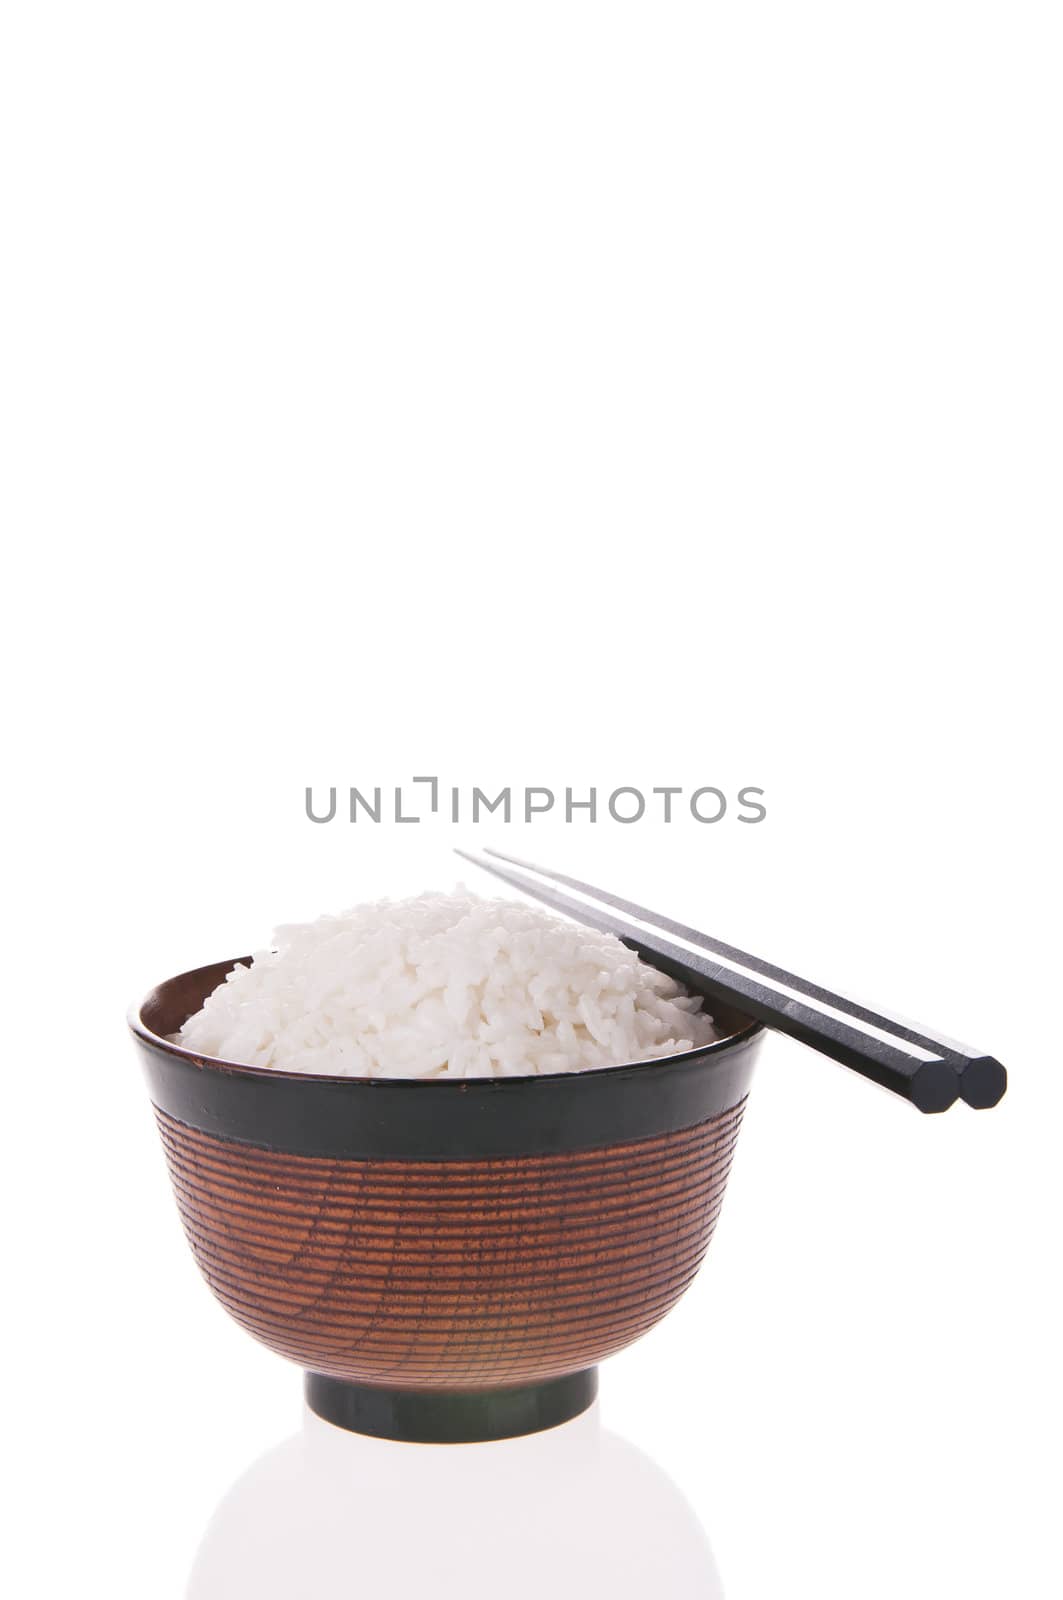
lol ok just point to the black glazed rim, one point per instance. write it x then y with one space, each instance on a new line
307 1114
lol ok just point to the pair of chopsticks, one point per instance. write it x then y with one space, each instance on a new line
918 1064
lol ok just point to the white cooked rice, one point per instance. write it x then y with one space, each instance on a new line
445 986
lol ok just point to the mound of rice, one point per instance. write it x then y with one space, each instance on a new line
445 986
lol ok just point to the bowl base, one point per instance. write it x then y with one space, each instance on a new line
441 1416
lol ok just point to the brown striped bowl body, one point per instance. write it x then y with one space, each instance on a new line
447 1259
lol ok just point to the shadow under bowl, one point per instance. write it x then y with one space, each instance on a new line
447 1260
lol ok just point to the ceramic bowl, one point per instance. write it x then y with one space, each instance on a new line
446 1260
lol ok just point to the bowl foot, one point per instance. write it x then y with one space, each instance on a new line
445 1416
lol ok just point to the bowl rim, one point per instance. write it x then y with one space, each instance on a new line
722 1046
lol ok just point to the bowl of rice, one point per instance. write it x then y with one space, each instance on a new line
445 1153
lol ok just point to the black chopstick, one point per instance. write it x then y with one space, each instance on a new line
918 1064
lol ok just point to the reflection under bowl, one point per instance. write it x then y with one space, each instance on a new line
447 1260
572 1513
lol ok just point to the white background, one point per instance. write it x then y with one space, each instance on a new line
557 394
